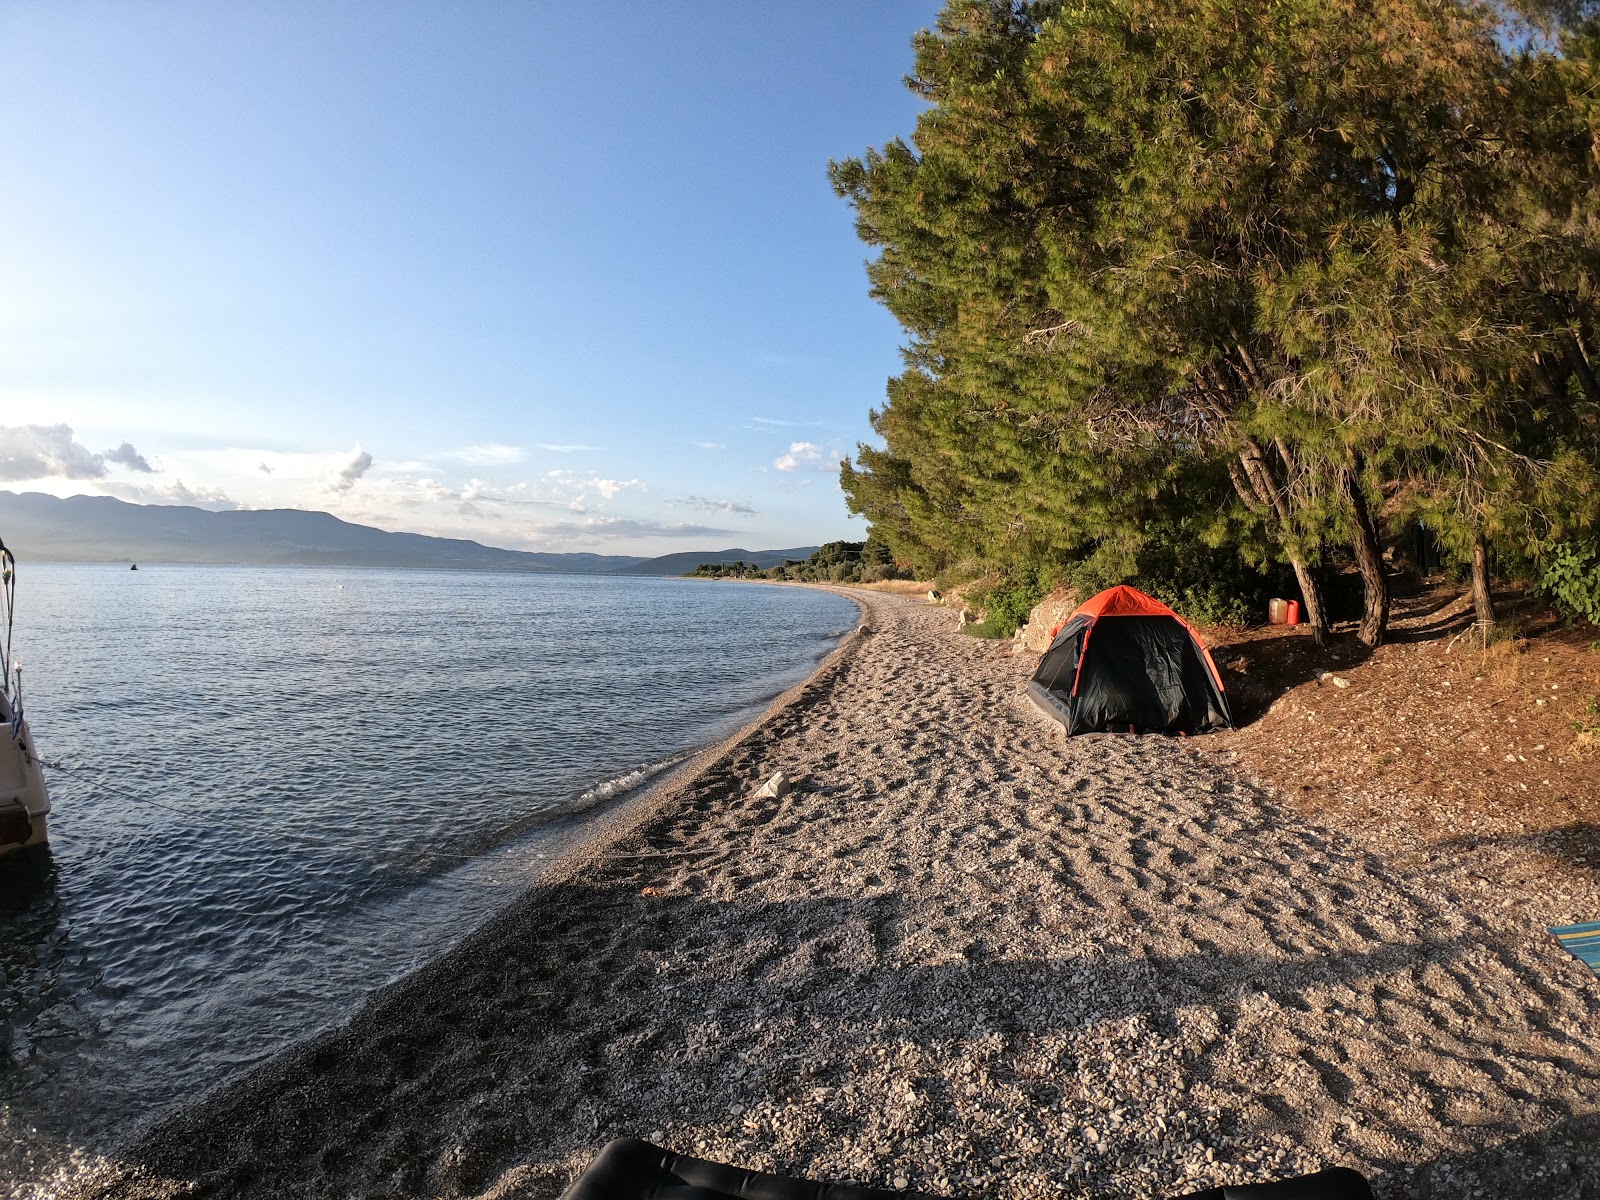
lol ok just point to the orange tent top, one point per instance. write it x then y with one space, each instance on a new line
1119 601
1124 601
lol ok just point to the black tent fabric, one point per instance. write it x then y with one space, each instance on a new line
1125 662
630 1169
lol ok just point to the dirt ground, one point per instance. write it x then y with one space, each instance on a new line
1436 745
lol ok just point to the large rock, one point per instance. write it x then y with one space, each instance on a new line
1046 616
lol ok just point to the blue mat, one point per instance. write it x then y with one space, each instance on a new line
1583 941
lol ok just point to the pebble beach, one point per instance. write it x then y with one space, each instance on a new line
962 956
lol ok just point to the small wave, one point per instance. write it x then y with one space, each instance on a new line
609 789
478 847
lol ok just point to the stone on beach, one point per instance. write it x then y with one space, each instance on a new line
775 788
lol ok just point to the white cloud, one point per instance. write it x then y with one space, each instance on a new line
46 452
127 456
807 456
521 506
565 449
610 487
357 465
704 505
203 497
711 445
617 527
490 454
177 492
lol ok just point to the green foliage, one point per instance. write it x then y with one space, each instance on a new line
1237 274
835 562
1569 577
1009 599
1208 585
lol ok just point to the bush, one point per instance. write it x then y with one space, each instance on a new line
1204 584
1008 601
1569 577
1217 604
877 573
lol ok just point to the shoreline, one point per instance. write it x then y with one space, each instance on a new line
575 839
616 817
963 955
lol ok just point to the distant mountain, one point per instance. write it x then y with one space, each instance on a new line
685 561
101 529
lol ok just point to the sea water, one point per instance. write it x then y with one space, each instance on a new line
279 789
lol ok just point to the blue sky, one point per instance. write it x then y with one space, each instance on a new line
549 276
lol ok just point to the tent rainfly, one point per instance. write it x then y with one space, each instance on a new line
1124 662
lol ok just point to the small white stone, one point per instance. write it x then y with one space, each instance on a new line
774 788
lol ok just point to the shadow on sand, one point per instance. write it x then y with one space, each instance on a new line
595 1010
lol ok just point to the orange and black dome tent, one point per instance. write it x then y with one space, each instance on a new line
1124 662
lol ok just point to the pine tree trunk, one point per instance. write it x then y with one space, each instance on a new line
1257 490
1316 613
1369 561
1482 593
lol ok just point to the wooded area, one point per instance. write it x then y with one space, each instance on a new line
833 562
1198 291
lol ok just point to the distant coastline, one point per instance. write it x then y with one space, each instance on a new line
43 528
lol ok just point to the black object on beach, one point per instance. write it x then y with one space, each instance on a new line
1336 1183
631 1169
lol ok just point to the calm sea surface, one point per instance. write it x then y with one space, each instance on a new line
282 788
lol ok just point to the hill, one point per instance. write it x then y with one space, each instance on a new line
102 529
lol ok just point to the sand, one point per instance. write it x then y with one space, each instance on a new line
964 956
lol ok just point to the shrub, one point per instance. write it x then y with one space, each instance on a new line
1008 601
1569 577
878 572
1204 584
